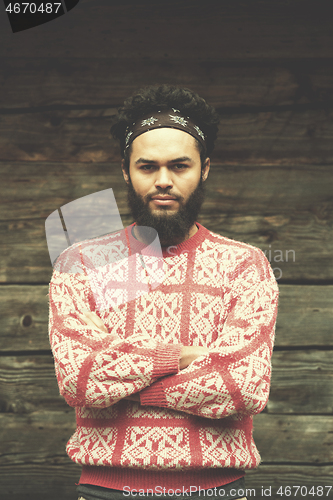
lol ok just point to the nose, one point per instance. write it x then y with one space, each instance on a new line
163 178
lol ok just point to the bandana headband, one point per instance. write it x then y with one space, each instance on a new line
158 119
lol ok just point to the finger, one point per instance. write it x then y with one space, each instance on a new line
93 320
86 319
98 322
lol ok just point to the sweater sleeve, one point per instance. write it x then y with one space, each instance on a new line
235 376
93 368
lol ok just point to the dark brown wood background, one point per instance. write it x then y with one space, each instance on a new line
268 68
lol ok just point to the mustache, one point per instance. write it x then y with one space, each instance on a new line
151 196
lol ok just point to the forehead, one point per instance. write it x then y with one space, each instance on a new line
165 142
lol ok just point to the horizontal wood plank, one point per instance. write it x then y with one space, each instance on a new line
285 211
213 30
297 438
272 137
40 481
304 318
301 383
28 384
273 192
31 189
298 247
270 479
41 437
35 437
45 82
24 318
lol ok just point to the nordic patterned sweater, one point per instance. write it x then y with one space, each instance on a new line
215 292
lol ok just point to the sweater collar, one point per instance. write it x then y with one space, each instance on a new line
170 251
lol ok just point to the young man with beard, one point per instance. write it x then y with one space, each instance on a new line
165 386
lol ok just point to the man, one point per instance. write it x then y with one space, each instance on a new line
166 385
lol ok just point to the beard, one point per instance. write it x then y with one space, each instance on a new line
171 227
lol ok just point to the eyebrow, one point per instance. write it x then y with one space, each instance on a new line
176 160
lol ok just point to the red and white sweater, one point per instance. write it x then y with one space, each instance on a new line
216 293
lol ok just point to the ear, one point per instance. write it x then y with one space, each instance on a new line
124 171
206 168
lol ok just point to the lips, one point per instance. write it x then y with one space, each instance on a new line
164 201
163 198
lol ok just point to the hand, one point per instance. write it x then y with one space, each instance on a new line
133 397
92 320
190 353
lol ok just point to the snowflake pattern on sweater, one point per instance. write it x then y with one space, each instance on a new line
216 293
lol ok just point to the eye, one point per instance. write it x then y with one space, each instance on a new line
146 167
180 165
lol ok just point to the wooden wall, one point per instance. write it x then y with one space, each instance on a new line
267 67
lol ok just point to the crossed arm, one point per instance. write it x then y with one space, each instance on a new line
187 355
96 369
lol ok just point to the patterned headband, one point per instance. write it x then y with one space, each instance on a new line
170 119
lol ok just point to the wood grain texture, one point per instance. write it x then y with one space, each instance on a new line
28 384
304 318
31 189
184 30
41 436
24 318
285 211
40 481
299 250
54 482
27 84
301 384
298 438
267 67
274 476
38 437
253 138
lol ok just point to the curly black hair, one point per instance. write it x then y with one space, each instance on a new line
154 98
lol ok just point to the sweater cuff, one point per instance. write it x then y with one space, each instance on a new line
153 395
166 359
